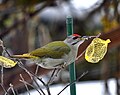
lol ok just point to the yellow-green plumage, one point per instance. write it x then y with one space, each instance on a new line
53 50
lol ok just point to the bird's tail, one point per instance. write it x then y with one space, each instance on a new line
26 56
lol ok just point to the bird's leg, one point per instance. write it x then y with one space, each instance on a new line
58 70
63 66
52 76
55 72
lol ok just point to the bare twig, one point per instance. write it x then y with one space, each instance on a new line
4 48
30 85
48 89
95 36
38 86
36 70
1 42
72 82
25 84
8 30
12 89
80 55
32 75
2 75
3 88
21 65
6 93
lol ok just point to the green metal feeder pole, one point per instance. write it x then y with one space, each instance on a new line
69 23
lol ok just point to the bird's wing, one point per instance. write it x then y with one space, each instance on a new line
54 50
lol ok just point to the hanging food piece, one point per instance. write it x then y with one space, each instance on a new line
96 50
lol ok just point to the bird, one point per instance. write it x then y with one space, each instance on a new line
56 54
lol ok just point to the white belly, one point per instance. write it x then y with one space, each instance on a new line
50 63
71 57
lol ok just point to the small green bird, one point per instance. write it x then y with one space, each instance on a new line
57 53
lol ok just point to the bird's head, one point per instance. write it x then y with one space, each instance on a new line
75 39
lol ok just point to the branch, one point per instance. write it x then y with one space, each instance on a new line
3 88
25 84
72 82
2 75
97 8
13 91
30 85
30 15
32 76
10 88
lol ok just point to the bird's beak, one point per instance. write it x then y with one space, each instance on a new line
84 37
89 37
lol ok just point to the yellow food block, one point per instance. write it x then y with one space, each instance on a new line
96 50
7 63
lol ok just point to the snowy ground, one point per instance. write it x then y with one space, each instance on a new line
82 88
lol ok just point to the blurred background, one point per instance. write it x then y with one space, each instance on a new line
29 24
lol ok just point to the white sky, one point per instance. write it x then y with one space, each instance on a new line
83 3
63 10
